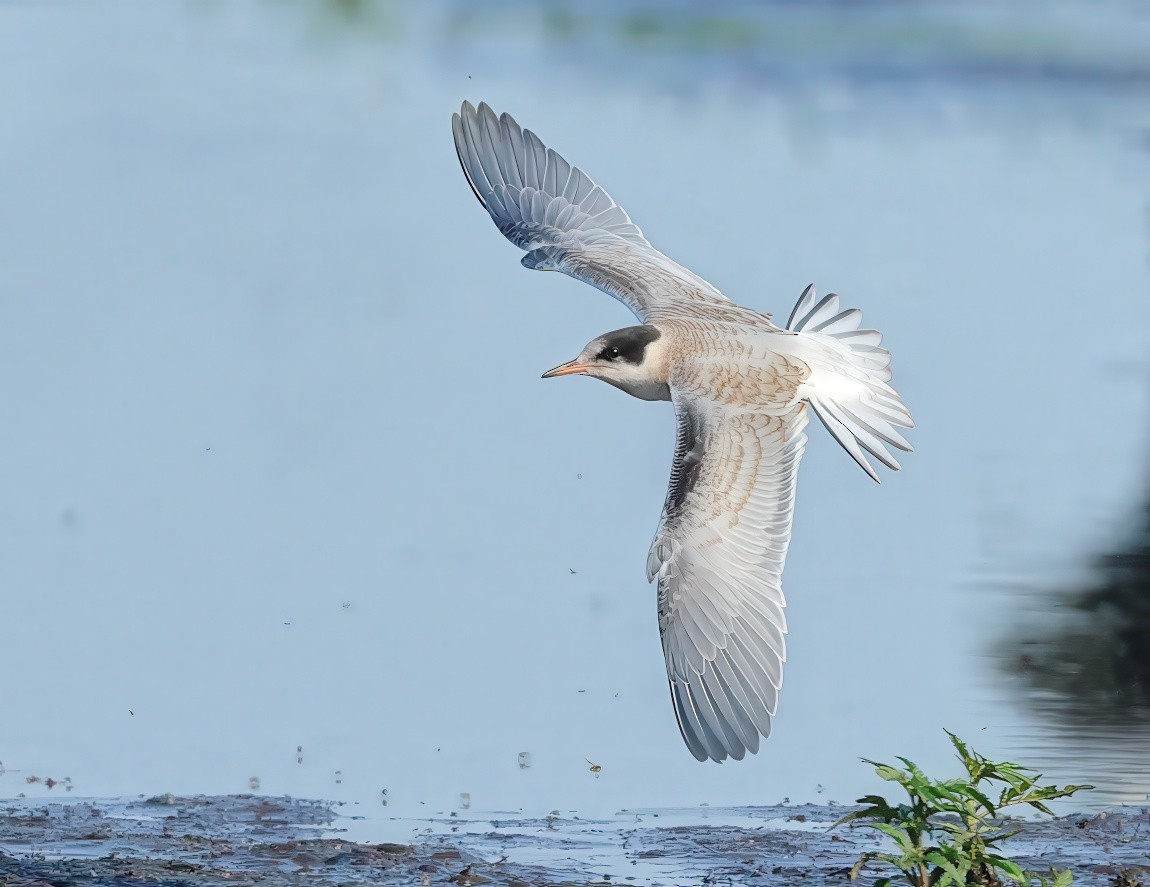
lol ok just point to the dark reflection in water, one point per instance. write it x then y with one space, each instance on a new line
1095 664
1086 672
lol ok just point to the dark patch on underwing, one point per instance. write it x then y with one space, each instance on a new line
688 462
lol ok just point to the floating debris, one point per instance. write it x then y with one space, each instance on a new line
595 768
524 760
299 754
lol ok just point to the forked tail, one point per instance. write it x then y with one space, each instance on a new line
848 387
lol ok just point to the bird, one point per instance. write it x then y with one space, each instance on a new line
742 390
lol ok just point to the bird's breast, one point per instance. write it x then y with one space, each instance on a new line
734 371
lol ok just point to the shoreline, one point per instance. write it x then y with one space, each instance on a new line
170 841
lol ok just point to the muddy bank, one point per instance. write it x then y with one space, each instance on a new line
245 840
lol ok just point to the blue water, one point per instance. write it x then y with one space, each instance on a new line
284 496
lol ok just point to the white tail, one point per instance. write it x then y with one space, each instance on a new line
848 387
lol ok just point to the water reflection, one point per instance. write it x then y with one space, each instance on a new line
1094 665
1085 670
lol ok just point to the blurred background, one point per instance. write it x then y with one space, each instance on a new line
285 506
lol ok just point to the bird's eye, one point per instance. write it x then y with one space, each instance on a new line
611 353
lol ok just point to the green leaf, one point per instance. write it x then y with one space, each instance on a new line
1016 775
889 773
1000 837
853 815
987 804
913 769
1063 878
948 865
898 835
1013 869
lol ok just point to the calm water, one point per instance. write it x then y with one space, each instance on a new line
285 498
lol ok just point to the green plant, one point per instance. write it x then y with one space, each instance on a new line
949 832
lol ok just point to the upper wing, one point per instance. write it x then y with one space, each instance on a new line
719 556
564 220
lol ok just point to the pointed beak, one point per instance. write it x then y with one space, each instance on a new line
572 367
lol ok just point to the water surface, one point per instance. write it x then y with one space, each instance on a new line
285 498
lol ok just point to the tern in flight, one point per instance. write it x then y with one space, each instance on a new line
742 389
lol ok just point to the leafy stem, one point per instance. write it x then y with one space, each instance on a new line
947 833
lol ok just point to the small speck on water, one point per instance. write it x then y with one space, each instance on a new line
524 760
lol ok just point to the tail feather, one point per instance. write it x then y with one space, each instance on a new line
843 323
848 388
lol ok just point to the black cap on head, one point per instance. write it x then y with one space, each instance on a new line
627 344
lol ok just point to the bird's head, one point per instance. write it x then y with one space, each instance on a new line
631 359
